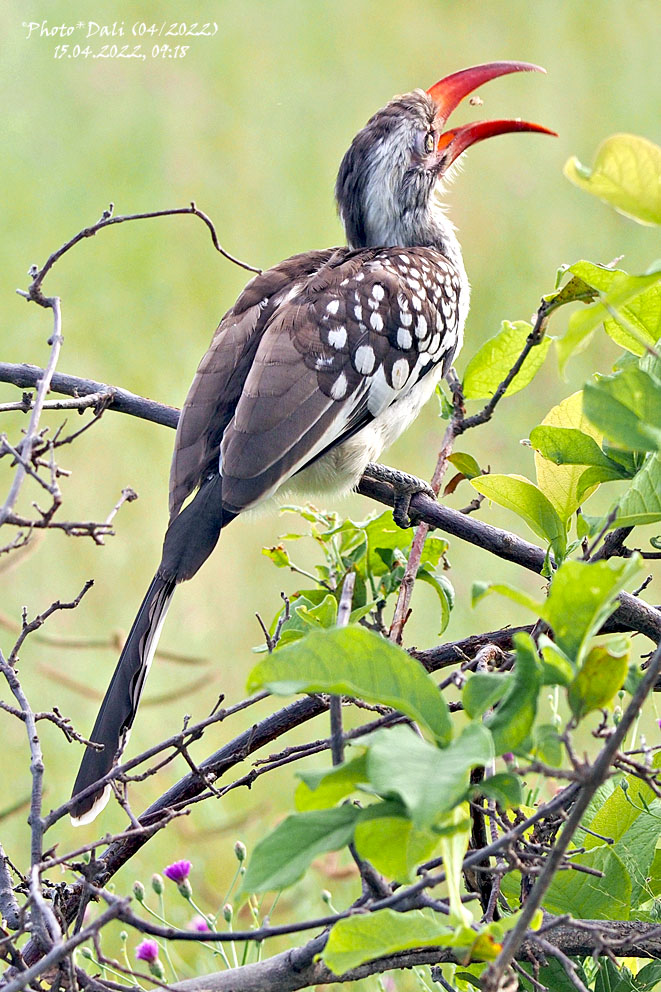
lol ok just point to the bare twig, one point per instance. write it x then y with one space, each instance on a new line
594 777
33 425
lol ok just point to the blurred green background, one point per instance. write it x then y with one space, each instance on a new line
252 124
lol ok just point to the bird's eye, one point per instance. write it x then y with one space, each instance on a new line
430 143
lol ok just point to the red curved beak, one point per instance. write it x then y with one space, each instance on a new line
448 93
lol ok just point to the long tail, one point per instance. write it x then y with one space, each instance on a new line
189 541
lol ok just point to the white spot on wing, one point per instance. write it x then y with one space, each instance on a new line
400 373
376 320
339 387
420 327
377 291
404 338
364 359
333 306
337 338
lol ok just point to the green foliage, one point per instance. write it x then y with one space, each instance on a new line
625 175
590 897
626 407
512 721
627 305
492 361
582 597
428 780
353 661
376 550
600 676
529 502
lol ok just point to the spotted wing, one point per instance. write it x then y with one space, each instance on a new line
356 338
220 377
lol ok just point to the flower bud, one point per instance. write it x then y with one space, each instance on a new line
139 891
157 884
228 912
156 968
240 851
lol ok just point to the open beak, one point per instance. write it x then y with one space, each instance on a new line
448 93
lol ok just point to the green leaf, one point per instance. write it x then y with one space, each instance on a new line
582 597
641 503
588 897
353 661
494 359
504 787
366 936
560 483
625 174
284 855
323 615
453 847
324 788
637 848
592 477
512 721
648 977
547 745
394 846
429 781
601 675
569 446
621 808
557 669
482 691
525 499
278 555
482 589
383 534
465 464
618 292
627 408
444 591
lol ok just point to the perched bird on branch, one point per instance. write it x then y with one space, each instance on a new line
321 363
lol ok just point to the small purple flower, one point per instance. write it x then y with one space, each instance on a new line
658 723
178 871
508 757
199 924
147 951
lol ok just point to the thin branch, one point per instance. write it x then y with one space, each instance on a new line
107 220
594 777
33 425
633 614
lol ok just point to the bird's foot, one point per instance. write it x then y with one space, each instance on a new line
404 487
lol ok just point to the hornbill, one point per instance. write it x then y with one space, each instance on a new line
321 363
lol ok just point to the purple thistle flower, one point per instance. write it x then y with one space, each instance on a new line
178 871
147 951
508 757
199 924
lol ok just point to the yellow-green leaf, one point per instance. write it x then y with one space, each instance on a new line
626 174
529 502
559 483
493 360
601 675
353 661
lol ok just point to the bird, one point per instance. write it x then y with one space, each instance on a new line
322 362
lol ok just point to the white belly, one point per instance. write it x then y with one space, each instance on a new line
339 470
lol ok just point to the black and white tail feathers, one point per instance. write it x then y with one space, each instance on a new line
189 541
115 718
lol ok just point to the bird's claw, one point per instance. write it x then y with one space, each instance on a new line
404 487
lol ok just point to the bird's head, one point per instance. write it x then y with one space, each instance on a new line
387 178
